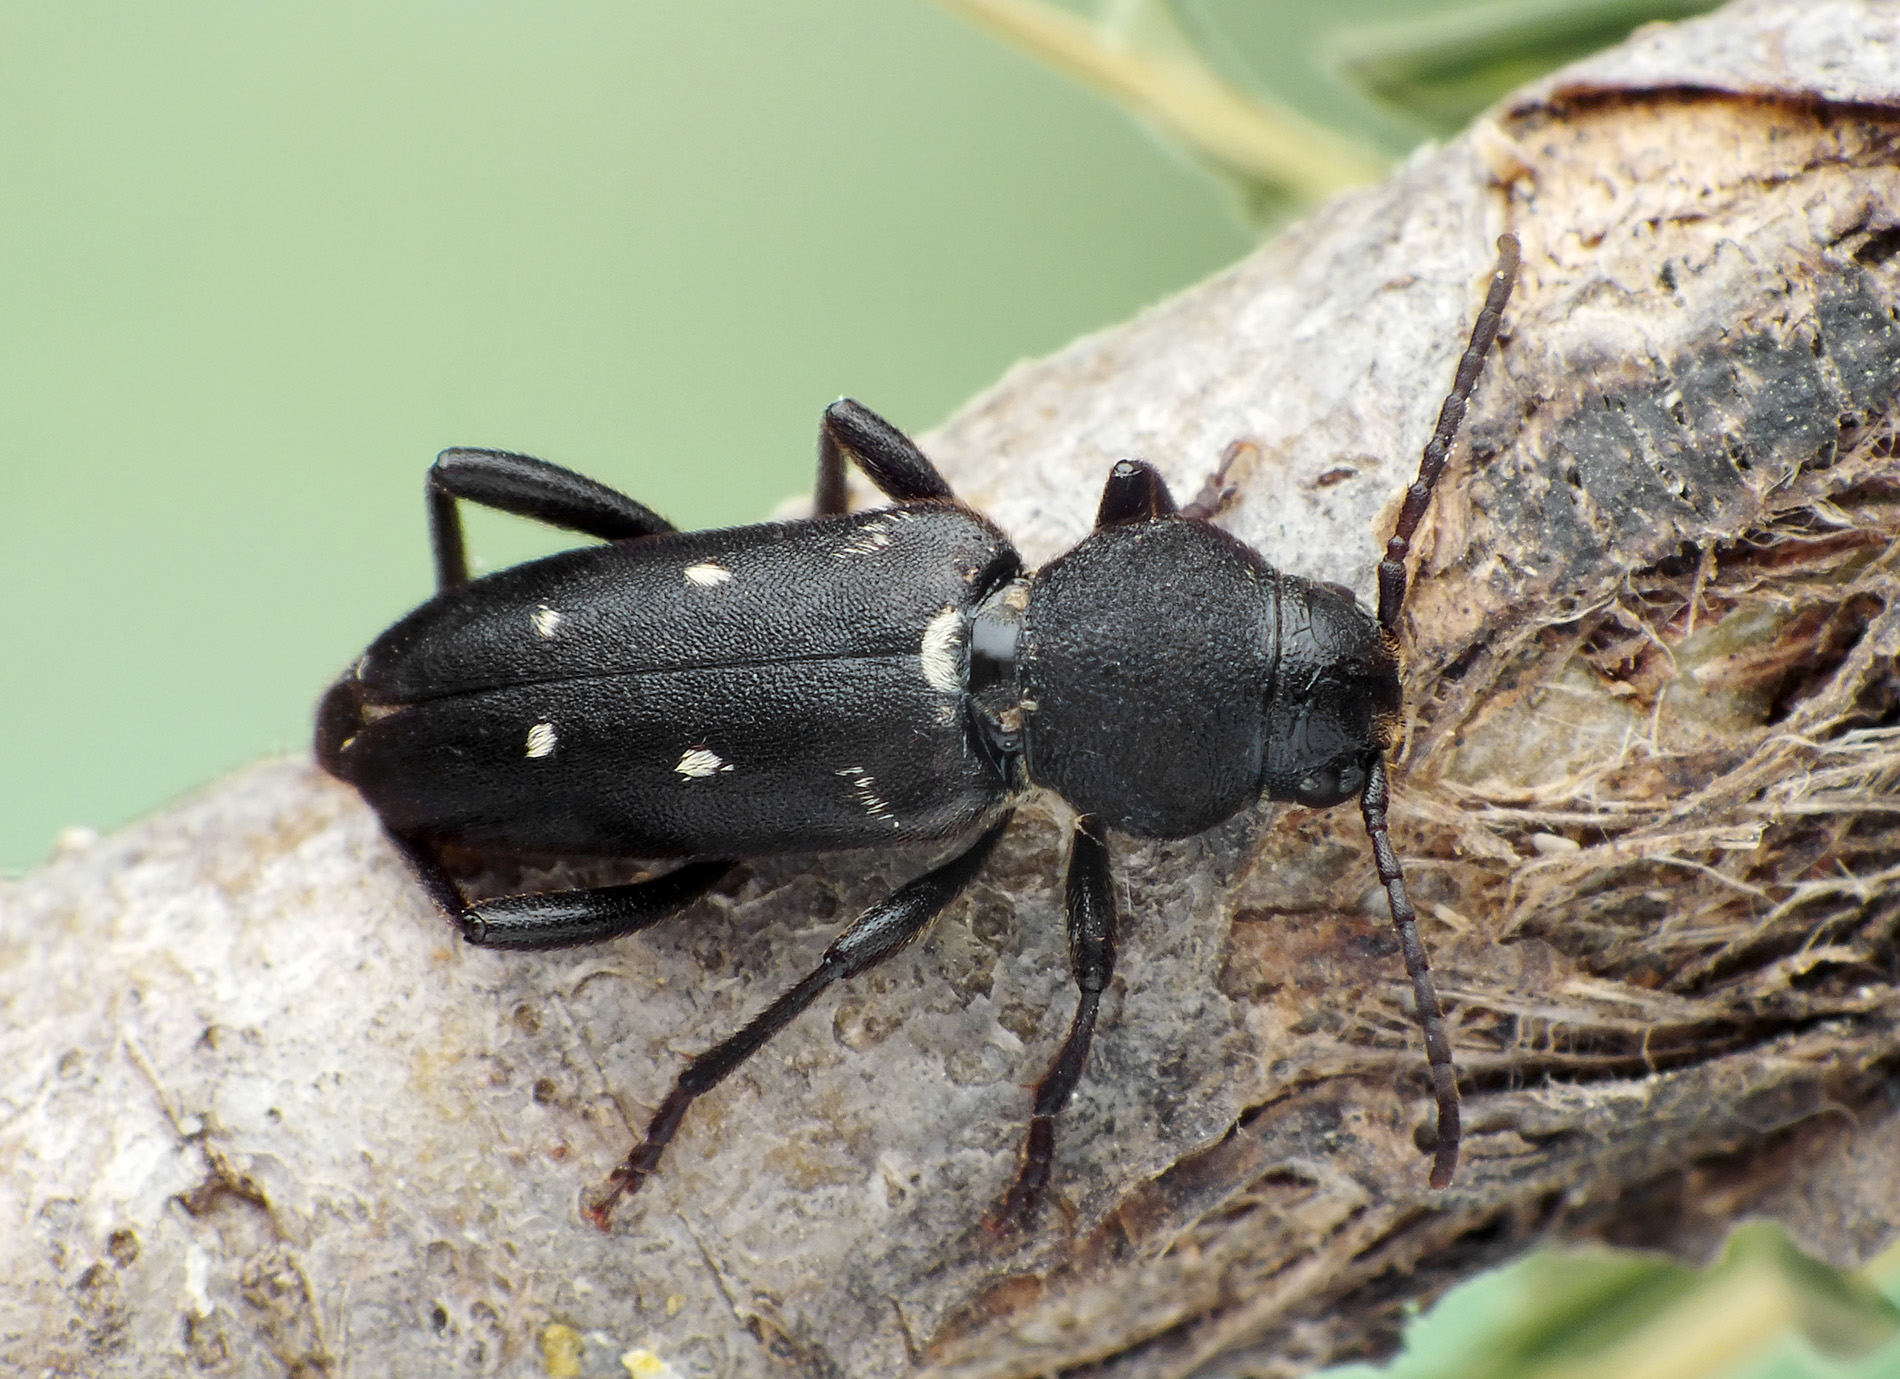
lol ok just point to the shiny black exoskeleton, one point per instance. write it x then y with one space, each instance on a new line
862 680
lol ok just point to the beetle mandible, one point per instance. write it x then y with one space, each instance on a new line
872 679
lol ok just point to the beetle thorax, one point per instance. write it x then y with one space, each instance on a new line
1147 660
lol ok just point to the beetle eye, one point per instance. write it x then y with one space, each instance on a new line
1329 785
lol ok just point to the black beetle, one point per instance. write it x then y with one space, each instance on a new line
867 679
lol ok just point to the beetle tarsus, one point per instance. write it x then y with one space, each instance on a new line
1090 904
879 932
1022 1204
632 1172
620 1183
1218 491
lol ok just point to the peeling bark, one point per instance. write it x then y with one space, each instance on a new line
264 1114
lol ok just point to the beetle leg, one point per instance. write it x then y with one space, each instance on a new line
567 919
889 459
1217 494
1135 492
879 932
562 919
1431 1018
1091 909
525 487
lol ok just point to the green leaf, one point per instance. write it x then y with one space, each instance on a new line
1135 53
1286 102
1596 1313
1442 69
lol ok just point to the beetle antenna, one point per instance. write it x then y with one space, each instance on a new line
1373 800
1419 496
1431 1017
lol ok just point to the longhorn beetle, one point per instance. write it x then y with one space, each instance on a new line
871 679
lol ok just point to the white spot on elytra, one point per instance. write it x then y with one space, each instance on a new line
865 789
872 537
545 620
707 575
939 651
540 739
698 762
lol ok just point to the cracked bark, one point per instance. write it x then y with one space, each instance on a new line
264 1114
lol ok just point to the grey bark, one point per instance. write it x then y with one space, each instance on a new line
263 1113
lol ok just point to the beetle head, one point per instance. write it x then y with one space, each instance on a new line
1334 698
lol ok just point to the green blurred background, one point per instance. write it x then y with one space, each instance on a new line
262 261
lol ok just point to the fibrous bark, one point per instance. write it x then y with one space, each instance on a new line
263 1112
